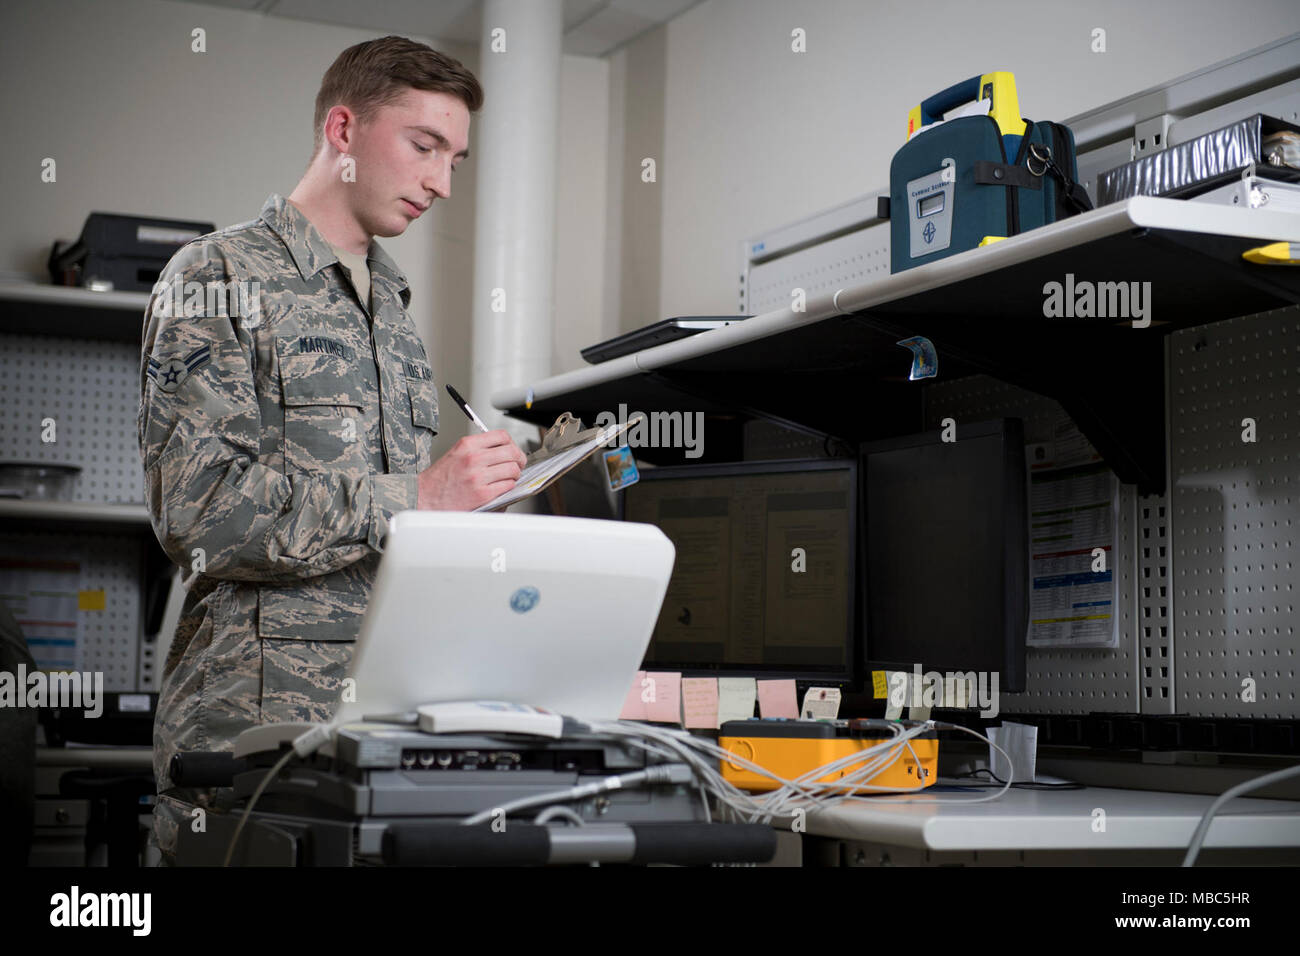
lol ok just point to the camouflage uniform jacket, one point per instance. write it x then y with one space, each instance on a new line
280 430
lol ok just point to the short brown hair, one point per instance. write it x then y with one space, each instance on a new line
377 72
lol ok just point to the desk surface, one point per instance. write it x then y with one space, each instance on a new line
1059 820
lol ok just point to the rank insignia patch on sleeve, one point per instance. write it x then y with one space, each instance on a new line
169 374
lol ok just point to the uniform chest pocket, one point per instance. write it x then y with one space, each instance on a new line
323 401
422 425
424 402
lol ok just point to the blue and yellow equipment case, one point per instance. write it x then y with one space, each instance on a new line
976 179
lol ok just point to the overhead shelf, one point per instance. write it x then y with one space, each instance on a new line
837 369
73 515
30 308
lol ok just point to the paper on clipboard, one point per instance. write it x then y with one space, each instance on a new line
537 476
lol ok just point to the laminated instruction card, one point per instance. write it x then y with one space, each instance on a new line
1073 527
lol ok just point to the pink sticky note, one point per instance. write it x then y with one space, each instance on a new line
663 696
777 698
700 701
633 706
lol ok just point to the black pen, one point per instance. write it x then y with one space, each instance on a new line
464 407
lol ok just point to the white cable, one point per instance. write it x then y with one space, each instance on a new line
304 745
270 775
777 802
848 786
760 809
682 745
651 776
1203 828
703 758
559 811
847 782
1005 787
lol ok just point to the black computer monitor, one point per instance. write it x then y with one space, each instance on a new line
947 552
764 583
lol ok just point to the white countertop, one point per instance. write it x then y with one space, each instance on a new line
1058 820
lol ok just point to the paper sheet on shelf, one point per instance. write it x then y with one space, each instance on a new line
664 697
1020 741
700 702
43 598
1073 509
778 698
736 698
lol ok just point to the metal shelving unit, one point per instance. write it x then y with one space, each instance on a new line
75 515
31 308
73 355
837 370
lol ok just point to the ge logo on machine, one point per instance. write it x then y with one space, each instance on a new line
524 600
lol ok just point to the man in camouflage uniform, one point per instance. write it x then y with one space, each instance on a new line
288 410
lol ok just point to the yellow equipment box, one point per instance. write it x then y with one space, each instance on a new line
792 748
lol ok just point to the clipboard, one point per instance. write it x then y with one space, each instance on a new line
564 445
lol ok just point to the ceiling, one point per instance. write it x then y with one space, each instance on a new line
591 27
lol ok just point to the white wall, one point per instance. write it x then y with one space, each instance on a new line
580 201
139 124
752 135
635 215
746 134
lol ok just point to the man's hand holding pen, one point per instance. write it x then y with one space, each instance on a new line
477 469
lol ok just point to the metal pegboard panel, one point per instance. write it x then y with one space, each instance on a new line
1236 511
110 638
1155 635
978 398
1059 680
765 440
91 391
825 267
149 675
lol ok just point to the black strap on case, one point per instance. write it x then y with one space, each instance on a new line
1039 161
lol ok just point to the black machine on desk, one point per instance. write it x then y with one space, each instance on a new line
395 795
122 253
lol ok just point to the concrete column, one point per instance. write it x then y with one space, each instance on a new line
514 234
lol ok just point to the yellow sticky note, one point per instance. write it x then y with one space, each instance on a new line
879 686
90 600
